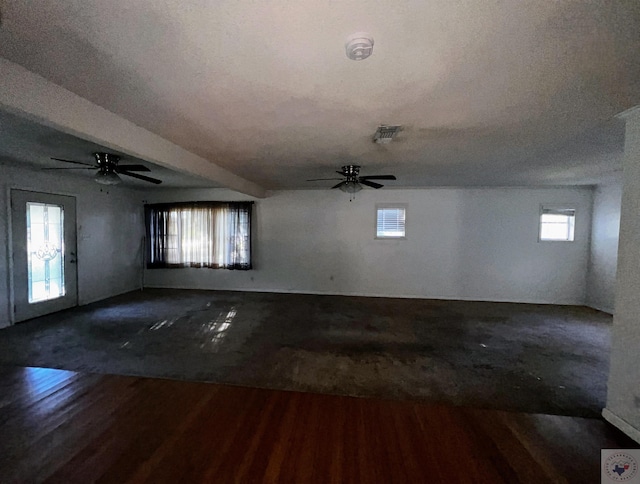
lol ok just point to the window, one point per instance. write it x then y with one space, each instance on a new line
390 221
216 235
557 224
45 251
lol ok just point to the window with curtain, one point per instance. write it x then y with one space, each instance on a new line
216 235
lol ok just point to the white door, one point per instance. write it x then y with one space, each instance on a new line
43 245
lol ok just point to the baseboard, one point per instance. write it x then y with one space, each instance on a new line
101 298
604 309
361 294
622 424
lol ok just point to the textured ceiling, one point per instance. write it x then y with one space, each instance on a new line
489 92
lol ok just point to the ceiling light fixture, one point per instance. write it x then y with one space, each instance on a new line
351 187
359 46
107 173
107 177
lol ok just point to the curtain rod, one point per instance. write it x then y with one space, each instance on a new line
201 202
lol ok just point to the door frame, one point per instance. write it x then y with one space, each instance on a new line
9 243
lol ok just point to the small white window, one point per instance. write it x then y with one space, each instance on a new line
557 224
390 221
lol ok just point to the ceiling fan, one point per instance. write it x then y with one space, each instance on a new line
352 182
109 169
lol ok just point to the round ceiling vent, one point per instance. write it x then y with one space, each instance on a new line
359 46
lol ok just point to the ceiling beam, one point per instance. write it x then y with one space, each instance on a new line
32 96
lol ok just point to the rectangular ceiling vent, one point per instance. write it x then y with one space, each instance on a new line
384 134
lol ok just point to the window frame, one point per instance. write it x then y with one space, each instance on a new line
379 206
165 263
558 207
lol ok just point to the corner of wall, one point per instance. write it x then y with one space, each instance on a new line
588 273
603 247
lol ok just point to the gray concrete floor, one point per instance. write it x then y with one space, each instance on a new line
523 357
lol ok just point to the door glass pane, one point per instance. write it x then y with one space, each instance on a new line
45 251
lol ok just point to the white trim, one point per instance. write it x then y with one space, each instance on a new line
621 424
9 254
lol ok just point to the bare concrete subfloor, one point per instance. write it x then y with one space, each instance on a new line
523 357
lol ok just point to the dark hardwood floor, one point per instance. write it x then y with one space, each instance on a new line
61 426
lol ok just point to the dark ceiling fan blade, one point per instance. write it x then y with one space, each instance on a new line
141 177
321 179
370 184
72 168
378 177
132 168
76 162
339 184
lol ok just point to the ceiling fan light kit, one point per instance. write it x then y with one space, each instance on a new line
109 169
353 182
350 187
106 174
107 178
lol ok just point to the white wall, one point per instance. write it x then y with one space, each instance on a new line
110 229
478 244
623 397
605 228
